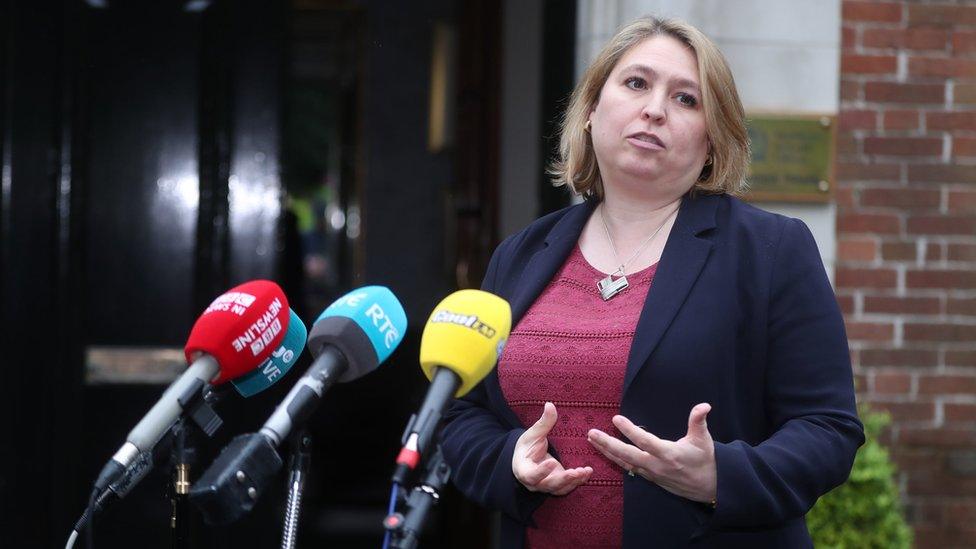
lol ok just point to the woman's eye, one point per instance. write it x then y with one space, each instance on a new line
635 83
687 99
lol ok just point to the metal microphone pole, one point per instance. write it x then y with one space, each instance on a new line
301 456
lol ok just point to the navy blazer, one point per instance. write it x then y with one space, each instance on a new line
741 315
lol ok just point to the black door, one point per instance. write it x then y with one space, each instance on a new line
153 153
140 179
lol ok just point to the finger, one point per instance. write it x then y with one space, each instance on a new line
531 474
612 457
544 424
569 487
537 449
626 455
643 439
697 424
562 482
557 480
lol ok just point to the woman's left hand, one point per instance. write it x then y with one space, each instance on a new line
685 467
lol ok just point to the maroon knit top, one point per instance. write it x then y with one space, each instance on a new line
571 349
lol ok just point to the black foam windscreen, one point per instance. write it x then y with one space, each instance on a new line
347 336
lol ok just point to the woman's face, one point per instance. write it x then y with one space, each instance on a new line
648 126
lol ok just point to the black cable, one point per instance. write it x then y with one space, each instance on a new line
91 511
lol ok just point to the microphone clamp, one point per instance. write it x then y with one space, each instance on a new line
195 406
406 528
409 456
230 488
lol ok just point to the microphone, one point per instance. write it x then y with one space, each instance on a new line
461 343
277 365
349 340
235 334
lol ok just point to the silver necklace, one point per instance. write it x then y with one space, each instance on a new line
610 286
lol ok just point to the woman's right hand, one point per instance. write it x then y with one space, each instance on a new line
534 466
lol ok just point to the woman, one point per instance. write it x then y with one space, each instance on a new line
658 302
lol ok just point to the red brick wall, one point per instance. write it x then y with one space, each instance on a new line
906 235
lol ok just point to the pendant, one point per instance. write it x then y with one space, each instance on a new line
609 287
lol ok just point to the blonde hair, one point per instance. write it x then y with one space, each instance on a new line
725 125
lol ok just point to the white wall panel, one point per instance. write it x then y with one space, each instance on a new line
784 55
784 77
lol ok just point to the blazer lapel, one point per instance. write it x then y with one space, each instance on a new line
681 262
544 263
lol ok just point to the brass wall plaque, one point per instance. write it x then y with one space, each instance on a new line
120 364
792 158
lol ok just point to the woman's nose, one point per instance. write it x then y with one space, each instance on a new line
655 108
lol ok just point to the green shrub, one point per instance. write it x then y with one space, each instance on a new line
865 511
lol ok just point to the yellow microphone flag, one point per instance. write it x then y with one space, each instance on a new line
465 334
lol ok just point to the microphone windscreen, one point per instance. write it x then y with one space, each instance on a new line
241 328
366 325
465 333
277 365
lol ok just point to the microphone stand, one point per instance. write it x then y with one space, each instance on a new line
301 457
199 416
406 528
197 404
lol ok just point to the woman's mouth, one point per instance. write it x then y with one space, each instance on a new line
647 141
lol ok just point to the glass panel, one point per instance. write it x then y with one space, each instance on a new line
319 153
